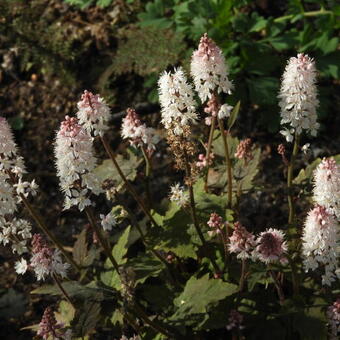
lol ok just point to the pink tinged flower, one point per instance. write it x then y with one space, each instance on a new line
75 163
235 320
137 132
326 181
49 328
209 69
93 113
203 161
298 97
244 150
270 246
241 242
321 244
177 101
216 224
333 316
46 261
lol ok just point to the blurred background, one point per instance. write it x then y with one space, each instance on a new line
51 50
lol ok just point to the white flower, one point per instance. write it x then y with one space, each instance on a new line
305 148
321 243
8 202
93 113
326 190
108 221
271 246
57 265
224 111
288 134
178 195
137 133
209 69
21 266
75 164
298 96
177 101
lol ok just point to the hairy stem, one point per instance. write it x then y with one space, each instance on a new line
278 287
155 325
290 179
125 180
148 170
101 239
228 163
243 273
147 245
193 209
63 291
41 224
211 135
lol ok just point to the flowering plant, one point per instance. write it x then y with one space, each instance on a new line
187 261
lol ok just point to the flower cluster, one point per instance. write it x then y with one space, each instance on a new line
178 195
333 315
298 97
16 232
93 113
75 164
214 109
216 224
209 69
13 189
320 243
44 261
244 150
137 132
241 242
49 328
108 221
235 320
177 101
270 246
327 185
203 162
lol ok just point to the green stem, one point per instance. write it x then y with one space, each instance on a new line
147 245
211 135
147 176
156 326
63 291
228 164
305 14
290 179
127 183
193 209
243 273
101 239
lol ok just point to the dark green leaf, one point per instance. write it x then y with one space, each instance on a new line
199 293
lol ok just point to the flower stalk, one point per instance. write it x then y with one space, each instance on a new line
228 163
291 216
125 180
